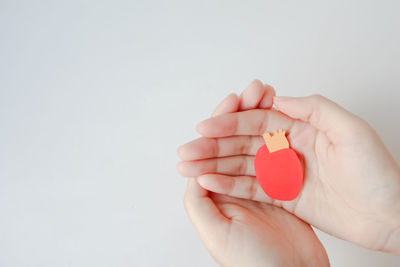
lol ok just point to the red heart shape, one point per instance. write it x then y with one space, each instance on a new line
279 173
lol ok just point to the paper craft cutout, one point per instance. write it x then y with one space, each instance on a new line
278 168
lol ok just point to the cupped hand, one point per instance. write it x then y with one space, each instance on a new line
352 184
240 232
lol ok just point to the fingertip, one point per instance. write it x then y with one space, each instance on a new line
257 95
256 82
208 127
184 168
180 151
199 148
179 167
220 126
203 181
233 97
200 128
186 151
228 105
267 99
272 89
252 95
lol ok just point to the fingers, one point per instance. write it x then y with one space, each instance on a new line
203 147
251 122
228 105
243 187
246 187
320 112
235 165
257 95
211 225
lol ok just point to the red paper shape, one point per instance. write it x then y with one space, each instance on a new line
279 173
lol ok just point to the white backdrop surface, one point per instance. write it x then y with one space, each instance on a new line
95 97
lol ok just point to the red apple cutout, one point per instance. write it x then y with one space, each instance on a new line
278 168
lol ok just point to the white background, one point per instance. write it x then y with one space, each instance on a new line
95 97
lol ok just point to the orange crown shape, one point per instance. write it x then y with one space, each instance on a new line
277 141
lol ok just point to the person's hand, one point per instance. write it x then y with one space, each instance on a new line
352 184
240 232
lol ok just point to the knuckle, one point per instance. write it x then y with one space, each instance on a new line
215 148
263 123
241 166
252 190
241 148
244 146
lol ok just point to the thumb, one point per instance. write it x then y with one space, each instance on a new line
322 113
211 225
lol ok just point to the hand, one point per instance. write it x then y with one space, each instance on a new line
240 232
352 184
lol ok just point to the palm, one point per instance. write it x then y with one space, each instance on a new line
259 234
335 192
351 187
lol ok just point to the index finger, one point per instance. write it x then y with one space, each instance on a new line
251 122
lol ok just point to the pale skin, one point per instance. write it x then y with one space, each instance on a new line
351 188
